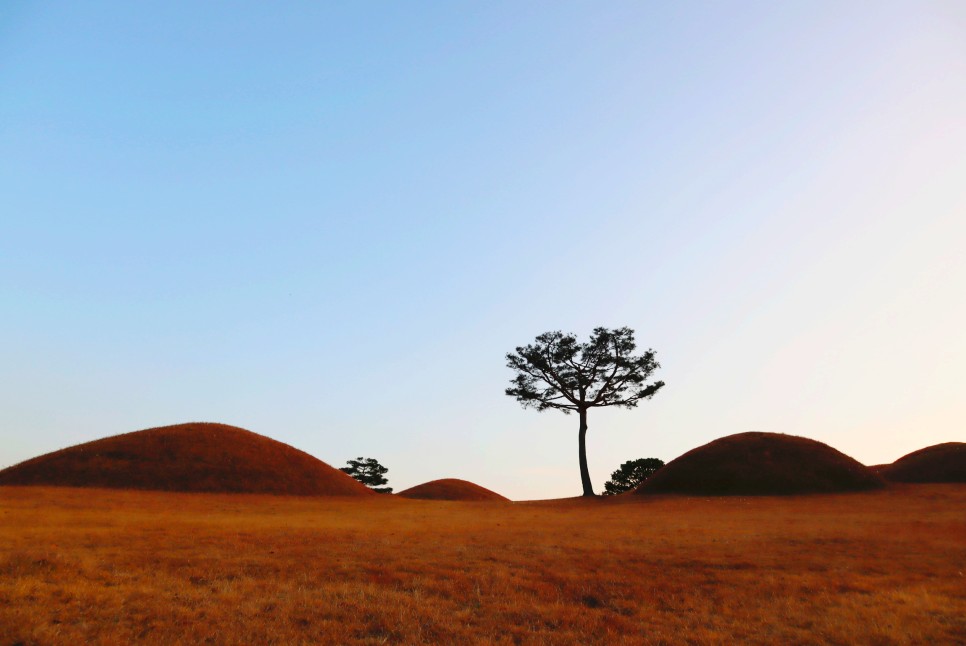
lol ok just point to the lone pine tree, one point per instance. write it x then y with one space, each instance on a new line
369 472
558 372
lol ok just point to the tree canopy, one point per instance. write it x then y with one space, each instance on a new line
631 474
369 472
557 371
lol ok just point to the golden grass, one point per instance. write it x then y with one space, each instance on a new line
108 566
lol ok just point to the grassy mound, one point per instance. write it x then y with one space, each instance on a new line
761 464
938 463
187 457
450 489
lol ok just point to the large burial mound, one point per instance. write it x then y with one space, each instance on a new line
451 489
761 464
938 463
187 457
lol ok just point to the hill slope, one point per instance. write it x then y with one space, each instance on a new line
938 463
761 464
451 489
187 457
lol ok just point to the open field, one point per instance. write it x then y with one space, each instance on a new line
108 566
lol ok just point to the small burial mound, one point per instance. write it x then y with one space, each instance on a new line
451 489
187 457
938 463
761 464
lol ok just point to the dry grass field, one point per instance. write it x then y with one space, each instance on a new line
109 566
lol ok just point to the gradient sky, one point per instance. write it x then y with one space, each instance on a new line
328 223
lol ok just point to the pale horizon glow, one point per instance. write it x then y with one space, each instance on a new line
328 224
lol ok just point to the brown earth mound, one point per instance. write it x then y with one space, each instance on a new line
450 489
187 457
938 463
761 464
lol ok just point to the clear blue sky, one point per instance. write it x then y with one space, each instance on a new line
328 223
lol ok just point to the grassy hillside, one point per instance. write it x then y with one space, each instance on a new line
451 489
938 463
187 457
761 464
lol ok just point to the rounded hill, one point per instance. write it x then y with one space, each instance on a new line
761 464
200 457
451 489
938 463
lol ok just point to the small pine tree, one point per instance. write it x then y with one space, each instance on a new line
369 472
631 475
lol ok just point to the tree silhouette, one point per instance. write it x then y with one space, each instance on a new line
369 472
631 474
558 372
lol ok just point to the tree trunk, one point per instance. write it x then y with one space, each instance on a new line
584 472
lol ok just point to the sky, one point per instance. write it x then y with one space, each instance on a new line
329 222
